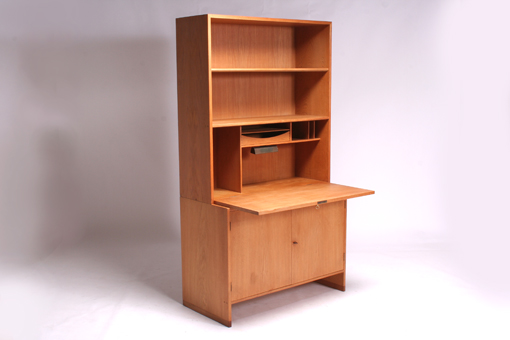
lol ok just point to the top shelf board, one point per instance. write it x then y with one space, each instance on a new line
287 194
266 120
295 69
235 19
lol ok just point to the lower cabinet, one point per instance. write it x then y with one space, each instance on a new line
274 251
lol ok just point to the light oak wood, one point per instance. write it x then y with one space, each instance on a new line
294 141
286 194
256 224
314 159
226 322
338 281
195 149
266 120
261 253
316 279
246 95
318 240
269 69
255 46
312 93
268 166
313 46
205 243
334 281
237 19
227 158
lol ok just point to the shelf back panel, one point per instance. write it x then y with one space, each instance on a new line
268 166
235 45
270 46
243 95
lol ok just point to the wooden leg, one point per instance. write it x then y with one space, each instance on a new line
226 322
336 281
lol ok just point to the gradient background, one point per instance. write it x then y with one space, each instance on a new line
420 114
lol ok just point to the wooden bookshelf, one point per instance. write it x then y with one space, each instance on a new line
258 211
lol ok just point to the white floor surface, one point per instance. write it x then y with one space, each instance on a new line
132 290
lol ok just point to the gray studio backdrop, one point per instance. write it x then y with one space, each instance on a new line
420 97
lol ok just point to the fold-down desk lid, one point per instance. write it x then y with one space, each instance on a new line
287 194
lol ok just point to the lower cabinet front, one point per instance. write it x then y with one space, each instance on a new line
272 251
260 252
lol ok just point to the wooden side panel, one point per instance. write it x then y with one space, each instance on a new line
234 45
205 259
338 281
318 237
313 45
313 96
335 281
268 166
227 158
241 95
193 85
261 253
312 93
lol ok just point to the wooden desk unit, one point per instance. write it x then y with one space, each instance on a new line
258 211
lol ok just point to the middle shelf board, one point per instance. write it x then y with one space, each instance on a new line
265 120
270 69
286 194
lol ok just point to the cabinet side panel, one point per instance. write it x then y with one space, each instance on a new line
205 266
227 158
261 253
193 88
318 237
338 281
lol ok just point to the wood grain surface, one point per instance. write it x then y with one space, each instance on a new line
261 253
205 245
195 131
285 194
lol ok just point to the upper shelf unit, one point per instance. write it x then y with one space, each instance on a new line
265 69
252 44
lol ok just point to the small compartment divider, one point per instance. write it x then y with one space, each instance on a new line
300 130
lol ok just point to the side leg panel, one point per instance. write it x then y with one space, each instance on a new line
205 261
338 281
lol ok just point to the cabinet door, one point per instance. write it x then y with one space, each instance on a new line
318 237
260 253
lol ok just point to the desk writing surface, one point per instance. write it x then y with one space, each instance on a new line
287 194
